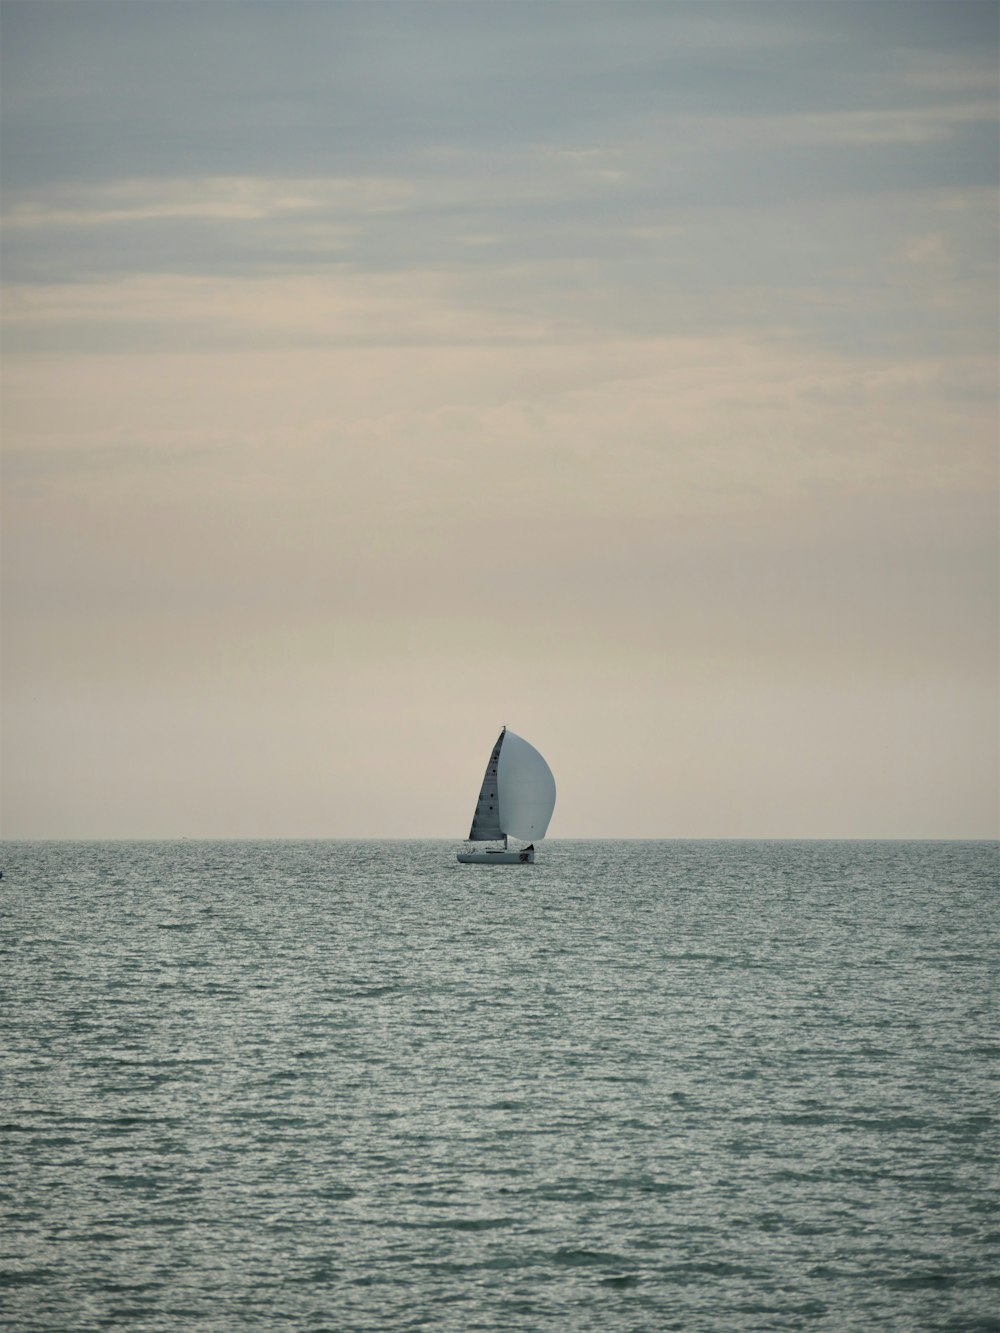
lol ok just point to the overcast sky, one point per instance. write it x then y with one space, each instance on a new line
375 374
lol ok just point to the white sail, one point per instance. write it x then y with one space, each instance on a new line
525 787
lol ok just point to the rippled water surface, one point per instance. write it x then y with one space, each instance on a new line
635 1086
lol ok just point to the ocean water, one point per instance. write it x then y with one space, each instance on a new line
636 1086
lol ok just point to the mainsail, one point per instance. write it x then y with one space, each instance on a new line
518 793
486 820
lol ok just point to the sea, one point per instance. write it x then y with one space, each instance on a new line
635 1086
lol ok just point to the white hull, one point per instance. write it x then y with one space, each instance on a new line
498 858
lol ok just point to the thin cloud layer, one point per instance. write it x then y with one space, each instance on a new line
370 371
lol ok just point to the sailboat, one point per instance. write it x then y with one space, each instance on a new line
516 802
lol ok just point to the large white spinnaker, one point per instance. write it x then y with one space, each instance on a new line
526 789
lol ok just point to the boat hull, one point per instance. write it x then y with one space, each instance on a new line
525 857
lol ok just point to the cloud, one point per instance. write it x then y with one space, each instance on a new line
629 368
652 171
931 248
227 199
118 91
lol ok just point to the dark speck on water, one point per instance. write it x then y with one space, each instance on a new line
636 1086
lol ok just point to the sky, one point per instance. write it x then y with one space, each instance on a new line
376 374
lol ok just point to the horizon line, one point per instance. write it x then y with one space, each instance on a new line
342 838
